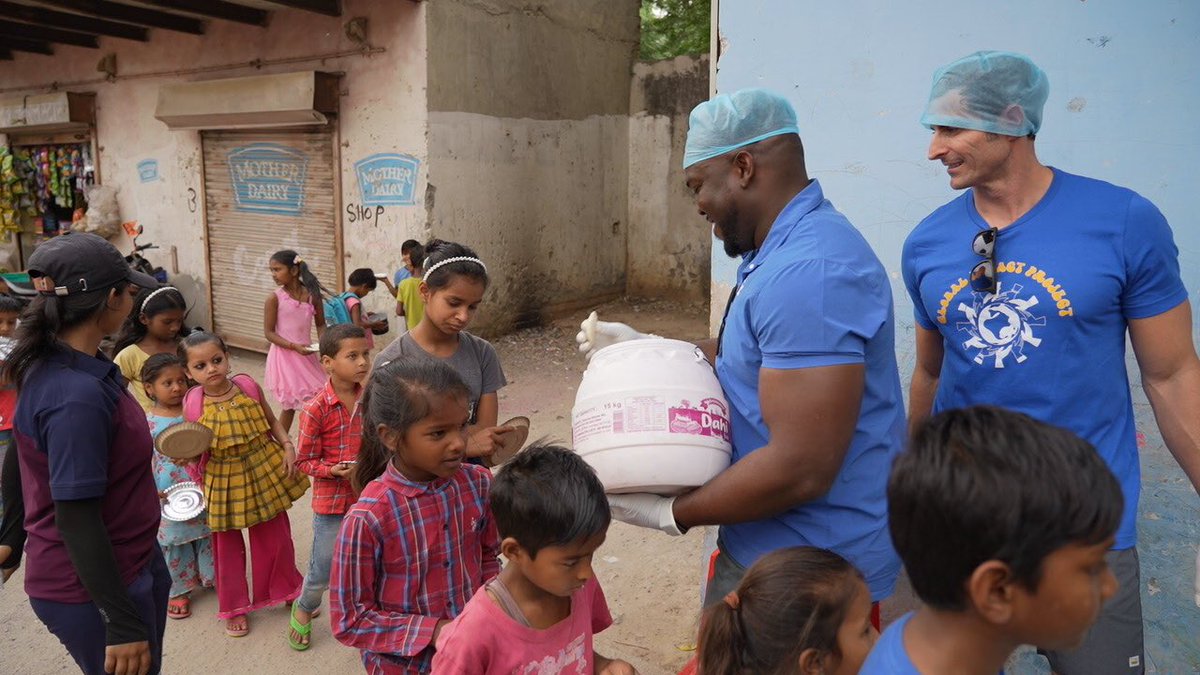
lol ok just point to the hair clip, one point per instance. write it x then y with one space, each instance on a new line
733 600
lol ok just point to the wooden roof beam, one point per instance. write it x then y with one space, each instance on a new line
31 46
141 16
326 7
75 22
12 29
217 9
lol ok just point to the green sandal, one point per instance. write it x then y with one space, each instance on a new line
300 629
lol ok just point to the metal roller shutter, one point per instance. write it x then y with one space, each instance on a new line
265 191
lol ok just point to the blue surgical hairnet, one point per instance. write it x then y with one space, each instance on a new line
732 121
997 92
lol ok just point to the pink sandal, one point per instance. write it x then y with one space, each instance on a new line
179 607
231 631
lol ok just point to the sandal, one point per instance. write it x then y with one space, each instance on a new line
233 631
299 629
179 607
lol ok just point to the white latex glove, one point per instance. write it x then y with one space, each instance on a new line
645 510
595 334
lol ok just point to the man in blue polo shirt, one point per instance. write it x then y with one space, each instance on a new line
805 357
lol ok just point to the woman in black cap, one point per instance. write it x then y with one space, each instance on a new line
96 577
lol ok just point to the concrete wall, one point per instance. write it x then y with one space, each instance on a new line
1121 91
668 244
382 110
528 147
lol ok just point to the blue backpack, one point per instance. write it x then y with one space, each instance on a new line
336 310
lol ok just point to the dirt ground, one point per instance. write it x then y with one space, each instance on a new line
651 580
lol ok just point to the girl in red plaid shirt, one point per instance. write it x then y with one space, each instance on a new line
420 540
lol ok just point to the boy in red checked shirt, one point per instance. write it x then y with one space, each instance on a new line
330 433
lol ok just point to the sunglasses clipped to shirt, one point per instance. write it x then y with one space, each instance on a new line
983 275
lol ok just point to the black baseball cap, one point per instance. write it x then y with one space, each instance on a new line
78 262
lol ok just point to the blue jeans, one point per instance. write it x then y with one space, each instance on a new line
325 532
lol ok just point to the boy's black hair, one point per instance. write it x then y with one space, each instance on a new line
548 496
985 483
416 257
10 305
408 245
363 276
331 339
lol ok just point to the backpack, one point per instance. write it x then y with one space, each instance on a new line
193 400
336 310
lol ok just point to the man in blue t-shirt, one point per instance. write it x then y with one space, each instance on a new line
806 357
1024 287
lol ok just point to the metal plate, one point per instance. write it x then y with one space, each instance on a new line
184 502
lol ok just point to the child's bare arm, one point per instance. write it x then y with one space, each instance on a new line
607 666
280 434
270 315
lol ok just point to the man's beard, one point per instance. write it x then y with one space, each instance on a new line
732 249
733 244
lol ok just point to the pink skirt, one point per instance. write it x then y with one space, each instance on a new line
293 378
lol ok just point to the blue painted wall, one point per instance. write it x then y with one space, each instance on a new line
1124 106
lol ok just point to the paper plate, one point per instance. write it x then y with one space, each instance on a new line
374 318
184 440
513 440
184 502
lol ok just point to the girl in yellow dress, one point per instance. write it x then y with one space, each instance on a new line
250 481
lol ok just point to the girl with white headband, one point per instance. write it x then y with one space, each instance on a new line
153 327
452 287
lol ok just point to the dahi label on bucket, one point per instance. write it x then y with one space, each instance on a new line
650 416
637 414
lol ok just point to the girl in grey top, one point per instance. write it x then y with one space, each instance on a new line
452 287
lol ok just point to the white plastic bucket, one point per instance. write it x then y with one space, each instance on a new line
649 416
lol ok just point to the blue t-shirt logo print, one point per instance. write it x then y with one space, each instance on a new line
1000 325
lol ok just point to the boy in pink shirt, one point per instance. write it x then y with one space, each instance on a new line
540 613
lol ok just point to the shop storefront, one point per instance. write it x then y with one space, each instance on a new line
270 182
48 170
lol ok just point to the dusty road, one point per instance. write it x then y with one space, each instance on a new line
651 580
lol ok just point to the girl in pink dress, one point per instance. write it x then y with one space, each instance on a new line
294 370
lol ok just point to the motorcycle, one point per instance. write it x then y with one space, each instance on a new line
139 263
